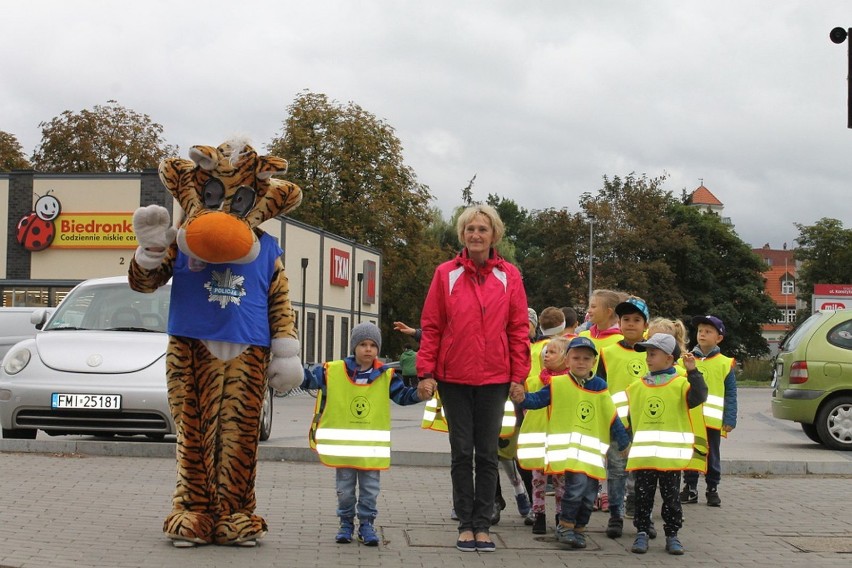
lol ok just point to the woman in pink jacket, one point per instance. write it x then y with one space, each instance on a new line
475 343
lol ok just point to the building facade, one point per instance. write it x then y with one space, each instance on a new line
60 229
780 285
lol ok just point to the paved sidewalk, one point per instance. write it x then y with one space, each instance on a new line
79 501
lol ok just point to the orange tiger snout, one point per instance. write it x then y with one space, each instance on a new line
218 237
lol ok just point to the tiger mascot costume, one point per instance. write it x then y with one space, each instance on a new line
231 327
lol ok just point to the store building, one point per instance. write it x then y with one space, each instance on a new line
61 229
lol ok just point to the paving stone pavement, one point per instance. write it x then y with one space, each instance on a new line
78 501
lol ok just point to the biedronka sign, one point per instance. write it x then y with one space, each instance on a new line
46 226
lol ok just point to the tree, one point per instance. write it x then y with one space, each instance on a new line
551 258
825 251
11 154
355 183
633 239
107 138
719 274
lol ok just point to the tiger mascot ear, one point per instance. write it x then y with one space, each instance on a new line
268 165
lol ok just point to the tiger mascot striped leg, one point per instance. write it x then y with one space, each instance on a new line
218 405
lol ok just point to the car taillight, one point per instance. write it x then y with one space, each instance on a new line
798 372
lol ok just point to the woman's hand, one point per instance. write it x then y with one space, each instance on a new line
403 327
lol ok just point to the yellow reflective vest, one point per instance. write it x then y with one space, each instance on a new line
715 369
433 417
623 367
601 343
354 427
578 432
664 434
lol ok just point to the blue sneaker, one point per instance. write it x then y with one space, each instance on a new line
524 506
673 545
566 535
344 533
640 545
367 534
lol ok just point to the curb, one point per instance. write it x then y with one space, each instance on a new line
399 458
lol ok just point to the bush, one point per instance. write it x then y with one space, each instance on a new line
755 371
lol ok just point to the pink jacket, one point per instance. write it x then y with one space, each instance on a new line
475 324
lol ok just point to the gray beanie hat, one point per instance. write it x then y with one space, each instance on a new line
364 331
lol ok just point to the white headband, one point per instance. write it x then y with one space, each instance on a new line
553 330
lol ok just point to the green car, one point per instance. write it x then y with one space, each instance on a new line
812 381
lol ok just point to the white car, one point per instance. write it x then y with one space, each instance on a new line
97 367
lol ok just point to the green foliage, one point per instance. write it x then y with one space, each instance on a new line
825 251
11 154
107 138
355 183
755 371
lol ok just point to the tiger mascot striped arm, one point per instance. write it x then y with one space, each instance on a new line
221 349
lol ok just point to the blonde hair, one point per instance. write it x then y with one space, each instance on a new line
609 298
486 211
559 342
675 328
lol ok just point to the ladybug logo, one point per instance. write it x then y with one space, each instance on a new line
36 230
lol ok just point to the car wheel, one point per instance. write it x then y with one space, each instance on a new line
834 423
19 434
810 431
266 416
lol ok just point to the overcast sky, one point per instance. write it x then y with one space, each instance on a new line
538 99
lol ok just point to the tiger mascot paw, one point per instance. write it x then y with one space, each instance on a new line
239 529
188 527
285 371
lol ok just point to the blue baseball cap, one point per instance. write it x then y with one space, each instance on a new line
583 342
633 305
710 320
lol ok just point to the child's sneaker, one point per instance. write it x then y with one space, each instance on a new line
604 502
524 506
579 539
367 534
615 527
565 534
688 495
673 545
344 533
640 545
713 499
540 524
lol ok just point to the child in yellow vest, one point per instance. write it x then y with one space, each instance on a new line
663 435
620 365
581 413
720 410
354 405
603 331
534 427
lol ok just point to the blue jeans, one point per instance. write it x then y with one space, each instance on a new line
616 481
578 499
368 481
474 416
714 463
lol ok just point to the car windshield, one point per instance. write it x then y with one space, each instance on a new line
112 307
794 338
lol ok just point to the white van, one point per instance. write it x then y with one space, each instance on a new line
16 324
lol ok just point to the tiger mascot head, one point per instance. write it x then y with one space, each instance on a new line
225 193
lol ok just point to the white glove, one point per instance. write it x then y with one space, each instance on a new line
285 371
154 234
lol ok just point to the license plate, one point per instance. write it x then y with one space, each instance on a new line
86 401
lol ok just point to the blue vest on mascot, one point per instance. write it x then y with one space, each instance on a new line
224 302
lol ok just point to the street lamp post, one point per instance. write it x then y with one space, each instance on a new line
591 253
839 35
360 283
302 323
